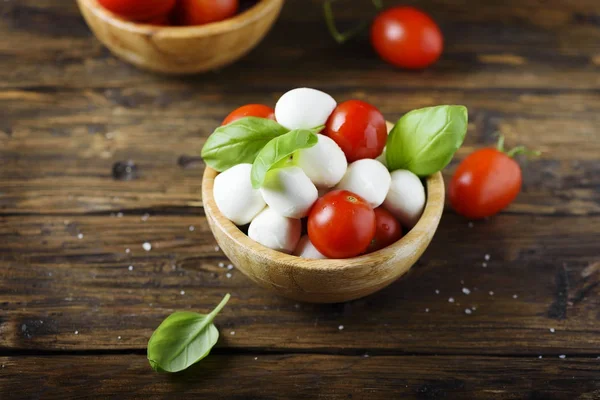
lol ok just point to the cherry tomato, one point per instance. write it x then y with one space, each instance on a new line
198 12
388 230
484 183
138 10
358 128
341 224
161 20
250 110
407 37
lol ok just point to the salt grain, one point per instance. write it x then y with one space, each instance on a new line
217 248
192 228
540 357
552 330
491 293
119 214
145 217
130 268
182 292
451 300
228 275
466 290
255 358
484 265
487 257
562 356
118 337
468 311
366 356
127 251
147 246
427 310
515 296
232 333
80 236
437 291
230 267
221 265
341 327
77 332
473 308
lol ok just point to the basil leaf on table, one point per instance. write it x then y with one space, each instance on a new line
239 142
424 141
278 150
183 339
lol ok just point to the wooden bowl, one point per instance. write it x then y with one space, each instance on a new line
323 281
181 49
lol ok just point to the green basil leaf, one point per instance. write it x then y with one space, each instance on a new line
183 339
239 142
278 150
424 141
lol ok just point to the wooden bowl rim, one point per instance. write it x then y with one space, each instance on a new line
431 214
256 12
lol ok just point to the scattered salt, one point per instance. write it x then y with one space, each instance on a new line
515 296
491 293
487 257
552 330
145 217
182 292
255 358
119 214
221 265
118 337
80 236
130 268
366 356
173 267
228 275
451 300
437 291
341 327
468 311
192 228
466 290
484 265
127 251
77 332
230 267
147 246
562 356
427 310
540 357
232 333
217 248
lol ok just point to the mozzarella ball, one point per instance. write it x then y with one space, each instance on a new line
234 195
367 178
406 198
306 249
324 163
289 192
275 231
304 108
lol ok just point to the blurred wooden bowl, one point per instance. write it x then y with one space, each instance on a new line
324 281
181 49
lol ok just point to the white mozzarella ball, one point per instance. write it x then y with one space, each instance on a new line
289 192
324 163
367 178
304 108
234 195
306 249
275 231
406 198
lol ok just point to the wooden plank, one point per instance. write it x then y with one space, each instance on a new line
61 292
303 376
59 148
561 34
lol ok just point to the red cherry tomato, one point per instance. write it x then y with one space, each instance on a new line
341 224
138 10
250 110
407 37
198 12
358 128
388 230
161 20
484 183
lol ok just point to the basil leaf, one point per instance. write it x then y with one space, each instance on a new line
239 142
424 141
183 339
278 150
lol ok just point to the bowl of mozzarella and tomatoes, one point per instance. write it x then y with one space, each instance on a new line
326 202
179 36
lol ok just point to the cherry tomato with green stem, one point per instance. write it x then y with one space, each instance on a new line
137 10
250 110
388 230
198 12
486 182
358 128
341 224
406 37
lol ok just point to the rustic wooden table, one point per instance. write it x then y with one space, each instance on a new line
79 297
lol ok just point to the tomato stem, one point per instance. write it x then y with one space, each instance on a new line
500 144
516 150
342 37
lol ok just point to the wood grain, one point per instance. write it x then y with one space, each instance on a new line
300 376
